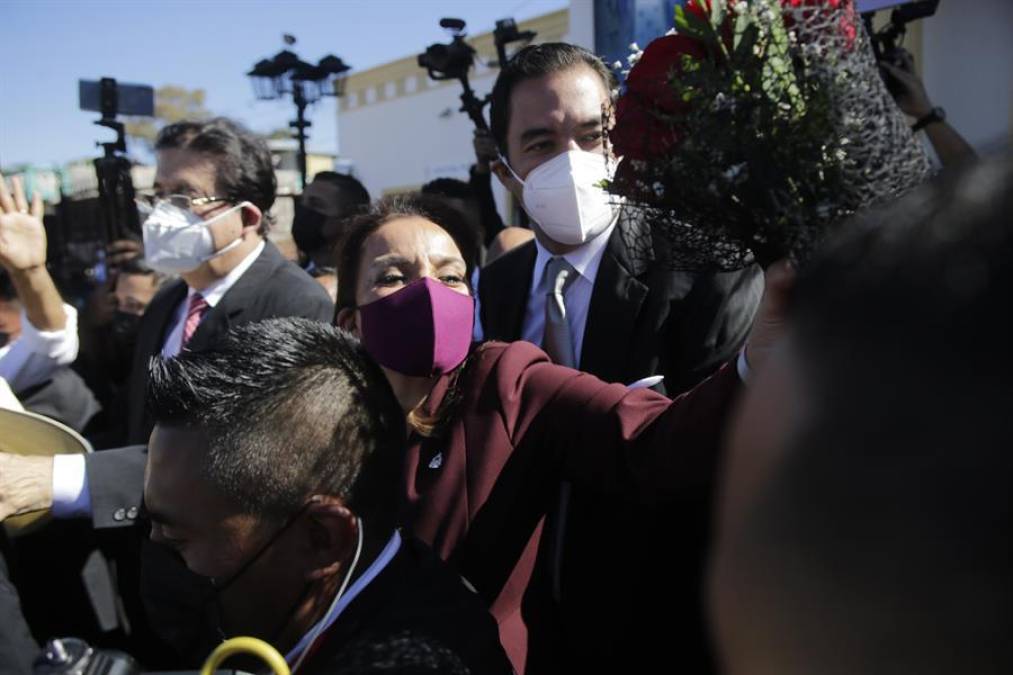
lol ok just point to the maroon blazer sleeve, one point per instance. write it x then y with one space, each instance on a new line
615 440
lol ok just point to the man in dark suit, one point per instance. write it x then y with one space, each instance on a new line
273 471
214 186
590 290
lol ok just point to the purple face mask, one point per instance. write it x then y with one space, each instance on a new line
424 329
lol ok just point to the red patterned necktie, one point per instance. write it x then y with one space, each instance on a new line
194 313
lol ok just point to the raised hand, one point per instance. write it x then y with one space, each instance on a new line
22 236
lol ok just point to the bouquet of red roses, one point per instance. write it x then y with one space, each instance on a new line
755 126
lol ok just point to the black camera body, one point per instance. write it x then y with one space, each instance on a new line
453 61
450 61
74 656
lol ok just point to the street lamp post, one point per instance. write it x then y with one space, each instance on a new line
285 74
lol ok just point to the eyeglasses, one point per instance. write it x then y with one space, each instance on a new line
184 202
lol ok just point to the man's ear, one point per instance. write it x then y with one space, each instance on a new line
506 178
347 319
333 536
252 216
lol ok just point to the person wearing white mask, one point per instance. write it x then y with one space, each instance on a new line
214 185
590 292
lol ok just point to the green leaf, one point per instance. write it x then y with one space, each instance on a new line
717 13
744 43
690 25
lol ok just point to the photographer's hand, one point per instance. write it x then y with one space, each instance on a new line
23 254
911 97
486 151
913 100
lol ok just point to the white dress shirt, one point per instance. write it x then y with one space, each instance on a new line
212 295
35 355
585 260
71 497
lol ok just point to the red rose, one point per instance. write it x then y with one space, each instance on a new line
639 133
651 77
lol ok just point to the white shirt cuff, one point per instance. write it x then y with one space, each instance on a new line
742 366
71 497
59 345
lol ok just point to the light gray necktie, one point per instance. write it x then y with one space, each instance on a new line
558 344
557 340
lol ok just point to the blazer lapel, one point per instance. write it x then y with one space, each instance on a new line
150 341
506 296
615 303
237 300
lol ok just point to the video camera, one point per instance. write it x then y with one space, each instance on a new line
453 60
115 187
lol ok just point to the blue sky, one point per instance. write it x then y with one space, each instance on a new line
48 45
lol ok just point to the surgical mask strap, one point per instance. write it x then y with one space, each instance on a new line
513 173
236 242
221 587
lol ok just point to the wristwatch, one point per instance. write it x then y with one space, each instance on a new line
937 114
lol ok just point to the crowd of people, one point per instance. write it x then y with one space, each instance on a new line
439 442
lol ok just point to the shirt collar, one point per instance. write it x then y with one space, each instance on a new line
585 259
219 287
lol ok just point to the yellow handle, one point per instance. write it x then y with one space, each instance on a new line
239 645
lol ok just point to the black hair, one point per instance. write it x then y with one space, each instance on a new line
532 62
448 187
885 527
291 408
244 170
349 251
350 197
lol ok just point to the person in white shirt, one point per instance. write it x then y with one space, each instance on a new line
39 330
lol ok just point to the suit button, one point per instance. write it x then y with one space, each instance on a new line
132 512
119 514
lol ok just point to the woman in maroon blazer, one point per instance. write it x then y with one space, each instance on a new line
496 428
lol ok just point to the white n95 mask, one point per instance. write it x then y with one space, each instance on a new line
177 240
564 196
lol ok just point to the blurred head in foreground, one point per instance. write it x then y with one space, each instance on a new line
864 524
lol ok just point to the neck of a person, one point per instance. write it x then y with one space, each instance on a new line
551 245
212 270
318 601
410 391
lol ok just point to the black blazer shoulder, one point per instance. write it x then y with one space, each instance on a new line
271 287
415 612
503 289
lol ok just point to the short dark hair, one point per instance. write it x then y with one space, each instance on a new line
350 195
291 407
245 171
532 62
349 252
890 508
448 187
